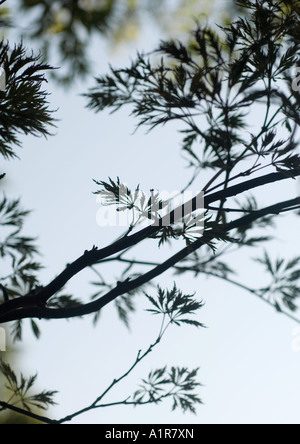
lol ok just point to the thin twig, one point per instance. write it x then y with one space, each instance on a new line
95 404
31 415
201 269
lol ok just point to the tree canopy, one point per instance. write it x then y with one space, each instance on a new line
63 30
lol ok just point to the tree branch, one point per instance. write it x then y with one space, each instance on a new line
198 270
27 413
42 312
39 298
95 404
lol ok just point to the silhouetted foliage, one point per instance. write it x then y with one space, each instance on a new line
64 30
